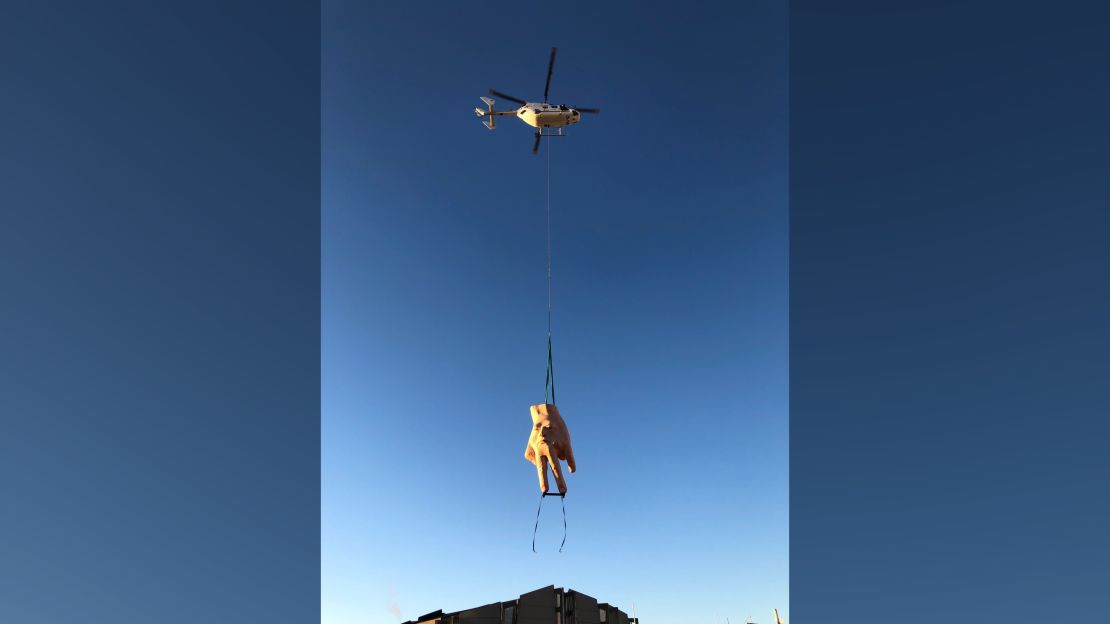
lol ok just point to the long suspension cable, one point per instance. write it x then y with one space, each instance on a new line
550 376
549 239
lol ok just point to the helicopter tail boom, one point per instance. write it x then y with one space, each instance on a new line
491 123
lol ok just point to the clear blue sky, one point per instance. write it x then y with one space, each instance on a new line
670 301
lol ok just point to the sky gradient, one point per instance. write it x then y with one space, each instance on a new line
669 218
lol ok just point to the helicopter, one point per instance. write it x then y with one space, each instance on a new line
540 115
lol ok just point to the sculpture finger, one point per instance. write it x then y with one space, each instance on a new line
557 469
569 456
541 469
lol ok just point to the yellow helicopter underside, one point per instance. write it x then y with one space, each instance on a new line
547 118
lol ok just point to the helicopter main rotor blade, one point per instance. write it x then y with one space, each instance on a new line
536 145
586 110
550 66
505 96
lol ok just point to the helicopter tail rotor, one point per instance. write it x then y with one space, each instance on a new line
490 123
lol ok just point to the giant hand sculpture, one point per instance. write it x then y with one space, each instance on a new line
548 443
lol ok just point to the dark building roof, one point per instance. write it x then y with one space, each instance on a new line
547 605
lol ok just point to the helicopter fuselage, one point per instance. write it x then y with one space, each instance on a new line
543 115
